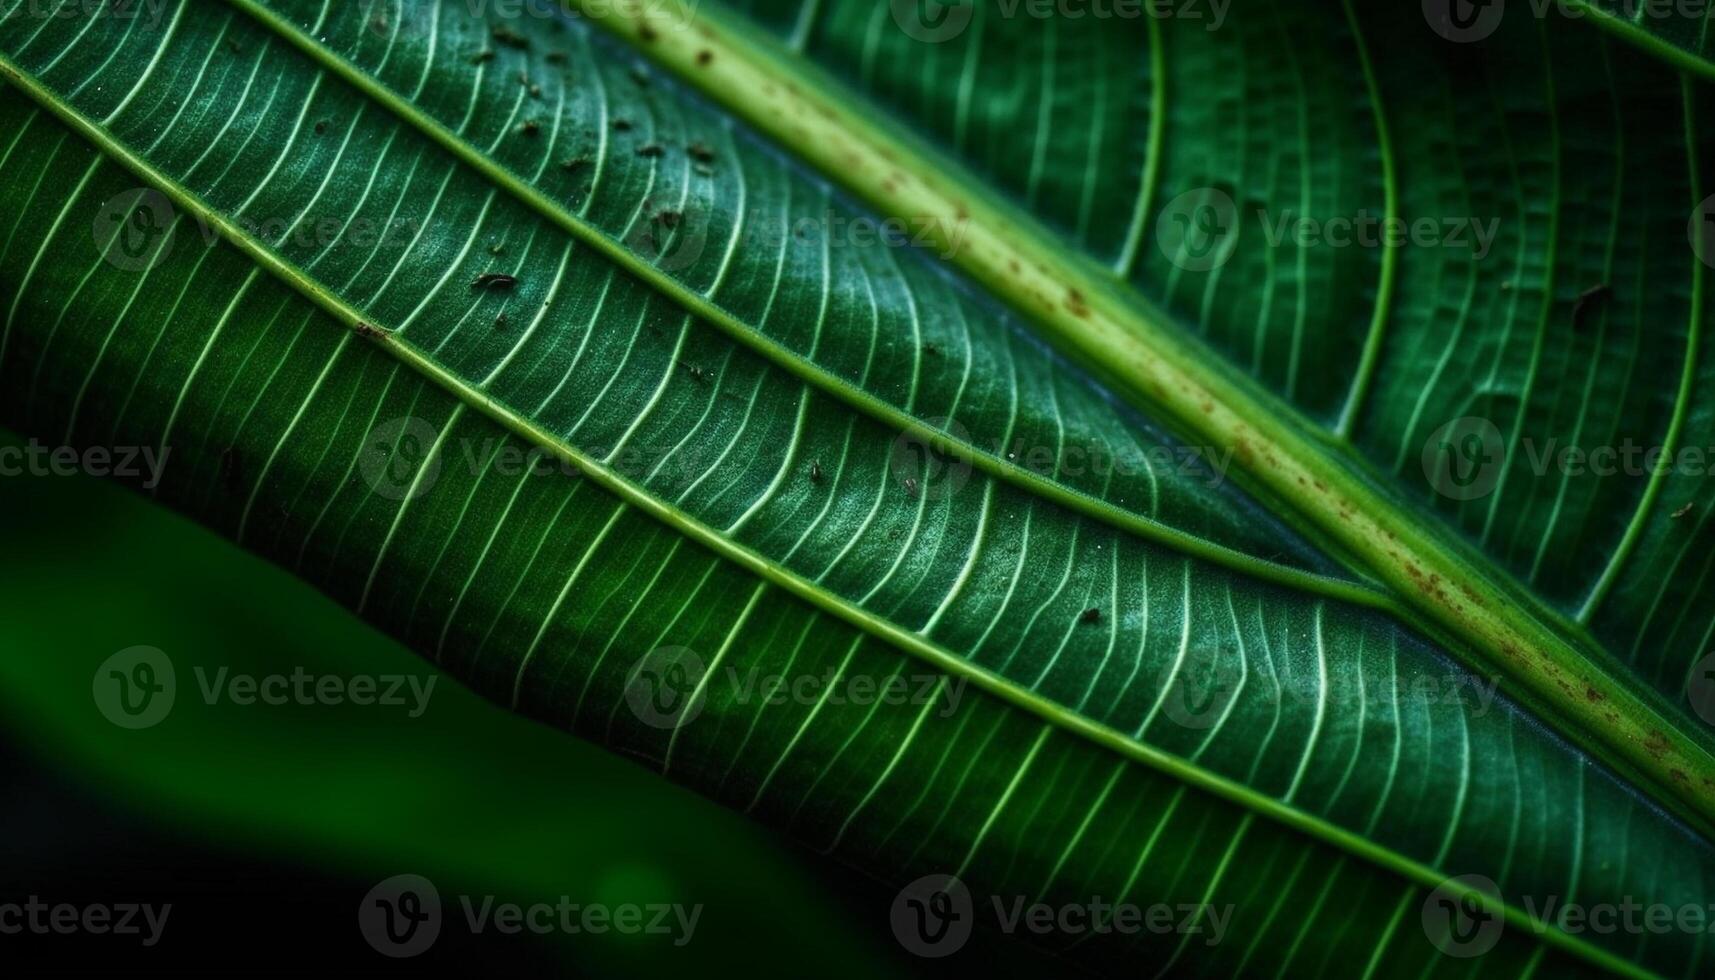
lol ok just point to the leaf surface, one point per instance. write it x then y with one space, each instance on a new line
410 245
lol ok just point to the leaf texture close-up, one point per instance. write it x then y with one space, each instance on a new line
1232 478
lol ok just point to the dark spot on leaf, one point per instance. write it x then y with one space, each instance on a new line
700 152
500 320
494 280
555 57
668 219
485 55
815 471
1091 615
622 125
646 32
1588 299
321 126
650 150
529 127
639 77
572 165
704 57
510 38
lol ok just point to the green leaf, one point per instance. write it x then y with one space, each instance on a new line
345 266
1678 33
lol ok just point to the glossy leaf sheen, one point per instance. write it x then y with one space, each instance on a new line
737 418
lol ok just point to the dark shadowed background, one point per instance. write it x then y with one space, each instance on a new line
265 826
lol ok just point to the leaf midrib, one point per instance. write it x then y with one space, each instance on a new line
1124 340
700 306
940 658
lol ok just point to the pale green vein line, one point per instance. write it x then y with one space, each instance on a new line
1384 289
780 355
1682 401
1006 795
770 572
